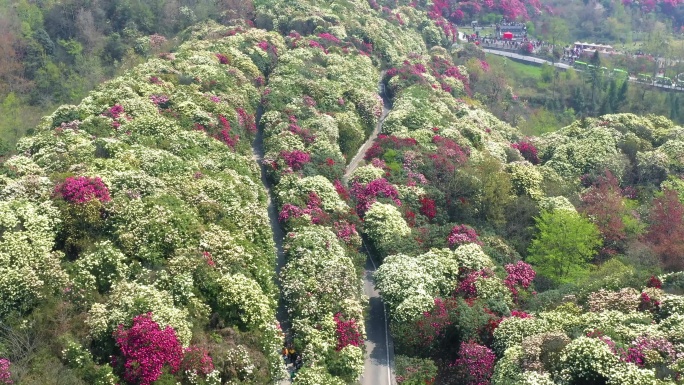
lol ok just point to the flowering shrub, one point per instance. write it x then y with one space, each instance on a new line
527 150
82 189
196 360
146 349
475 364
366 195
519 274
5 375
427 207
295 159
347 332
654 282
462 234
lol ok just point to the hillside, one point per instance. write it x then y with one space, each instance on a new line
188 219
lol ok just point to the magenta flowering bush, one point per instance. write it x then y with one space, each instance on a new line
462 234
146 349
82 189
639 351
527 150
295 159
346 232
467 287
347 331
475 364
5 374
367 194
223 59
224 135
114 112
519 274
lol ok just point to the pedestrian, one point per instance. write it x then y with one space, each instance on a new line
298 362
293 354
285 355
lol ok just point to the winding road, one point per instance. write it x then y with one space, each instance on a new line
386 106
378 364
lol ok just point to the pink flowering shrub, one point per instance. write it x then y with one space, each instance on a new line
159 100
347 332
639 351
519 274
366 195
295 159
82 189
146 349
223 59
467 286
345 231
475 364
462 234
527 150
329 38
313 209
197 360
5 374
114 112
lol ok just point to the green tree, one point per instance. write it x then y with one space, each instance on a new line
564 244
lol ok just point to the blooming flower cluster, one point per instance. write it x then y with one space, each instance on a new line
146 349
5 375
82 189
462 234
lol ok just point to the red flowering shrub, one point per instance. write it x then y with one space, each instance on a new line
654 282
461 234
666 231
527 150
347 332
295 159
224 135
427 207
341 190
82 189
637 352
146 349
475 364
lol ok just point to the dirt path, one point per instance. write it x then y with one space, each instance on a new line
386 107
278 233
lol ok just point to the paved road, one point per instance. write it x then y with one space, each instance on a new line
386 106
378 364
532 59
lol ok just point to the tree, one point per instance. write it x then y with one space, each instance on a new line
565 242
666 232
603 204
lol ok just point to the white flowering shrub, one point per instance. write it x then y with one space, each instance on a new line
384 225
